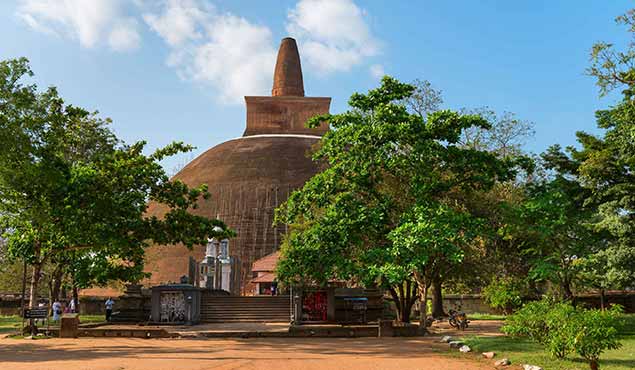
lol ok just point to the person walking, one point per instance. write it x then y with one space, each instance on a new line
109 304
57 310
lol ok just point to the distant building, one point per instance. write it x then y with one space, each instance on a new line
264 273
250 176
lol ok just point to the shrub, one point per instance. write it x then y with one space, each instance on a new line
530 321
563 329
503 294
598 331
547 323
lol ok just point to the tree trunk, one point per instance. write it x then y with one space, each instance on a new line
594 364
437 299
566 288
602 299
33 296
403 302
423 309
397 300
55 283
423 302
76 297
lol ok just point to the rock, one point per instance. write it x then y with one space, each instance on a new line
446 339
502 362
489 355
531 367
465 349
455 344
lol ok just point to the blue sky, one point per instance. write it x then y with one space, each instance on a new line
177 69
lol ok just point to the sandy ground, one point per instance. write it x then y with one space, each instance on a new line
257 353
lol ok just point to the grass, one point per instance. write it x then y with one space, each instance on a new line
12 324
485 316
524 351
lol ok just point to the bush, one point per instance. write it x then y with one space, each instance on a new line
563 329
530 321
503 294
598 331
547 323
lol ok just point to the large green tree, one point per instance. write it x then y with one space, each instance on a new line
607 163
71 193
384 210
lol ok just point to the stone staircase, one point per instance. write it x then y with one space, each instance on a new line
219 309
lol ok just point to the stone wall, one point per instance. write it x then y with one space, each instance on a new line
10 305
468 303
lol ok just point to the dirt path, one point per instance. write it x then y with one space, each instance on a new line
262 353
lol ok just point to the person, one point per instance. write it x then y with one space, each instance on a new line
109 304
274 287
72 306
57 310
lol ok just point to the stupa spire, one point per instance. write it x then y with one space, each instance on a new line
287 77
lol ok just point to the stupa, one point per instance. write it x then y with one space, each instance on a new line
248 177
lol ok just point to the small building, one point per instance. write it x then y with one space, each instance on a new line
264 273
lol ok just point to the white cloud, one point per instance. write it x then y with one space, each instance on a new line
90 22
124 35
377 71
333 34
180 20
227 52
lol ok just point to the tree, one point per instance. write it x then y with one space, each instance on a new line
490 255
607 163
71 193
424 99
552 229
383 210
505 137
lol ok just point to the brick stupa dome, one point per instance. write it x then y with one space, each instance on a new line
250 176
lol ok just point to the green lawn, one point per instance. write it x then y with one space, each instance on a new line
11 324
524 351
485 316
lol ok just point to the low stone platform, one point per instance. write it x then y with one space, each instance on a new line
122 331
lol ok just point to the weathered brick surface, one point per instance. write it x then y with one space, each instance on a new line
251 176
287 76
248 178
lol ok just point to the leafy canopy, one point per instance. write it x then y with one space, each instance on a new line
72 192
384 207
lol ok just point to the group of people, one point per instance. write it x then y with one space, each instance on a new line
58 308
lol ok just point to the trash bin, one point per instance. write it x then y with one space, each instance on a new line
356 308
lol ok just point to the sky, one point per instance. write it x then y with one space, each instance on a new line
177 70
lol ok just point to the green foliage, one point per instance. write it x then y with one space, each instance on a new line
522 350
563 329
385 209
72 194
503 294
381 208
598 331
529 321
606 164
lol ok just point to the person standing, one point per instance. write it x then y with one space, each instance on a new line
57 310
274 287
72 306
109 304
